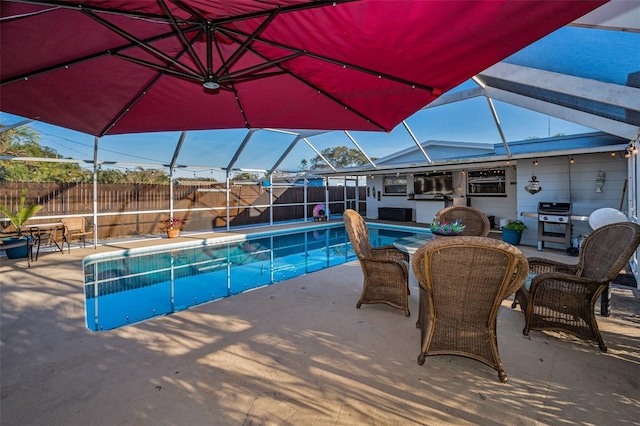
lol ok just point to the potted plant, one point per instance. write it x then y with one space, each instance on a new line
18 218
512 232
173 226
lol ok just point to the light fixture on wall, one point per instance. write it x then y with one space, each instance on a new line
613 154
571 159
535 161
630 150
599 181
533 187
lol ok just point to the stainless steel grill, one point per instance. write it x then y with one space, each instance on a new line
558 216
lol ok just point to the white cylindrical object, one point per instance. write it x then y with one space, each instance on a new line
504 222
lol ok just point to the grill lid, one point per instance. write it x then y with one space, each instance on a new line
554 208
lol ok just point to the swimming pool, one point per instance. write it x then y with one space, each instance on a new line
130 286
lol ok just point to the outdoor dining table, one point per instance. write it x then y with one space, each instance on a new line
48 231
411 244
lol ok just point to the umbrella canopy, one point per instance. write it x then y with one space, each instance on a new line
118 66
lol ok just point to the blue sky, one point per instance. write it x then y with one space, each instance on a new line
604 55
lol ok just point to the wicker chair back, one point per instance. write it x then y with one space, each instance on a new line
476 223
386 276
606 250
358 233
463 281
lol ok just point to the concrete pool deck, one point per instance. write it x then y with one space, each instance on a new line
294 353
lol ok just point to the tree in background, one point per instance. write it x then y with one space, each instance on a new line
23 141
339 157
246 176
149 176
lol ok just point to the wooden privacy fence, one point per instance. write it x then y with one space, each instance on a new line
137 209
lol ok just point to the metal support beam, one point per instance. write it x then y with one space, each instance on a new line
95 193
319 154
174 159
228 196
626 97
613 127
284 154
241 148
449 98
271 200
426 156
494 113
13 126
361 150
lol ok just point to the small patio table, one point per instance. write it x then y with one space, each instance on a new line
48 231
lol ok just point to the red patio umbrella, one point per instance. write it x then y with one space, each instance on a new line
118 66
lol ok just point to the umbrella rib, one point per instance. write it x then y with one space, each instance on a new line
330 96
243 46
135 14
158 67
128 107
87 58
135 100
245 78
282 9
229 31
244 73
183 37
81 6
139 42
333 98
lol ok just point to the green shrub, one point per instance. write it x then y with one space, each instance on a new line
516 225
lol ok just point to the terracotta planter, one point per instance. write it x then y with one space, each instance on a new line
173 233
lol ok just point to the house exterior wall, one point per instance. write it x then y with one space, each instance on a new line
499 207
562 181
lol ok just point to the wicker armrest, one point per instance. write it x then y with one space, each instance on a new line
391 260
388 270
556 281
538 265
389 251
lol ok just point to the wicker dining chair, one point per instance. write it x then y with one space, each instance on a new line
562 297
463 281
476 223
386 276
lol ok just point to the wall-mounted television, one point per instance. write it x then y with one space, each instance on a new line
436 183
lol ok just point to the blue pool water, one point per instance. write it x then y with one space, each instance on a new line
135 285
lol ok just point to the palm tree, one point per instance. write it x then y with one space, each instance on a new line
22 214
